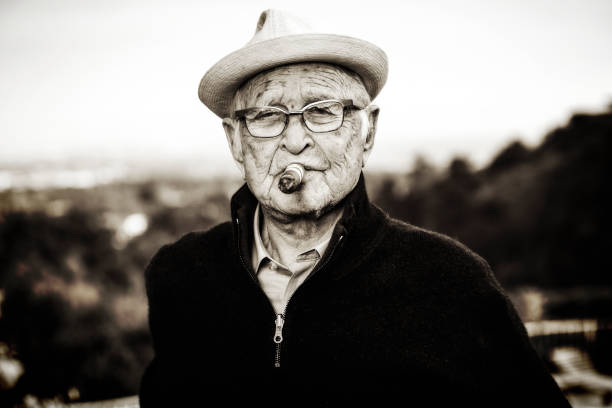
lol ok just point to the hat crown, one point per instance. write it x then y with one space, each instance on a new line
278 23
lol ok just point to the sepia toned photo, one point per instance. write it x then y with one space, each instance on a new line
326 204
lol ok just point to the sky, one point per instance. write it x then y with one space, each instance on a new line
117 80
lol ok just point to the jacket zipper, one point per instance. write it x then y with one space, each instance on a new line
281 317
278 337
279 320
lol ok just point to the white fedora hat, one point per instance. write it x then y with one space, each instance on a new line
282 39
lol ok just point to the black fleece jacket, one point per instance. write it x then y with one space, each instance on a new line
393 315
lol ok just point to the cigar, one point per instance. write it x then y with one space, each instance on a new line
291 179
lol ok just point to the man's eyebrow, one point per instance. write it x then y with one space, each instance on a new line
319 97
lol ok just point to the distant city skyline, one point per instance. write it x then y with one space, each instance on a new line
117 80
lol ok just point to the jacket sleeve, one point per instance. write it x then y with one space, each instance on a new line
152 383
162 383
511 372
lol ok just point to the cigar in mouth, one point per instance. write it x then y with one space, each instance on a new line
291 179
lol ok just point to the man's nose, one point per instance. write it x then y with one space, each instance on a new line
295 138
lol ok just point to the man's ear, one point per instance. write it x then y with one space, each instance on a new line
372 114
232 133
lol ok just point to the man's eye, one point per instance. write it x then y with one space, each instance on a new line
320 111
261 115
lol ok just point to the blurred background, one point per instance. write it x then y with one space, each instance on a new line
495 128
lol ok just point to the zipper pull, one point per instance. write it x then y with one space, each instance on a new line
278 334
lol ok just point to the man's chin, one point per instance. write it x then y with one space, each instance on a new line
299 205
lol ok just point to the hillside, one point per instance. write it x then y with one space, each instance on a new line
539 216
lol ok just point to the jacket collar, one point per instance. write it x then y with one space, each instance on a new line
354 235
259 251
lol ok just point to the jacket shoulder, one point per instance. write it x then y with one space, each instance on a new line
430 241
443 257
190 250
449 270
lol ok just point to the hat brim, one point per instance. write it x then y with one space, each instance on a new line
219 84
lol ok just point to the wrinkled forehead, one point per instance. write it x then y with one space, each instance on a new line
294 86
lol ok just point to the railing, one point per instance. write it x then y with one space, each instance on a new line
570 346
127 402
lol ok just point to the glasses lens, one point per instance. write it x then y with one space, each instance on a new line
324 116
265 122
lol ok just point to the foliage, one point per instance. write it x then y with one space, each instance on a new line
538 216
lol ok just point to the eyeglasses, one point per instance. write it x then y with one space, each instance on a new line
319 117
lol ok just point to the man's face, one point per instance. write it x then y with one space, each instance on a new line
332 160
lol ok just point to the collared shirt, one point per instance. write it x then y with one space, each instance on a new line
277 280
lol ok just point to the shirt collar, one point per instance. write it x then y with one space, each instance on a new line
355 233
259 249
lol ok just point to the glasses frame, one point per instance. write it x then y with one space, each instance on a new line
346 104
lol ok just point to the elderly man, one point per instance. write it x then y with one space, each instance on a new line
312 296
